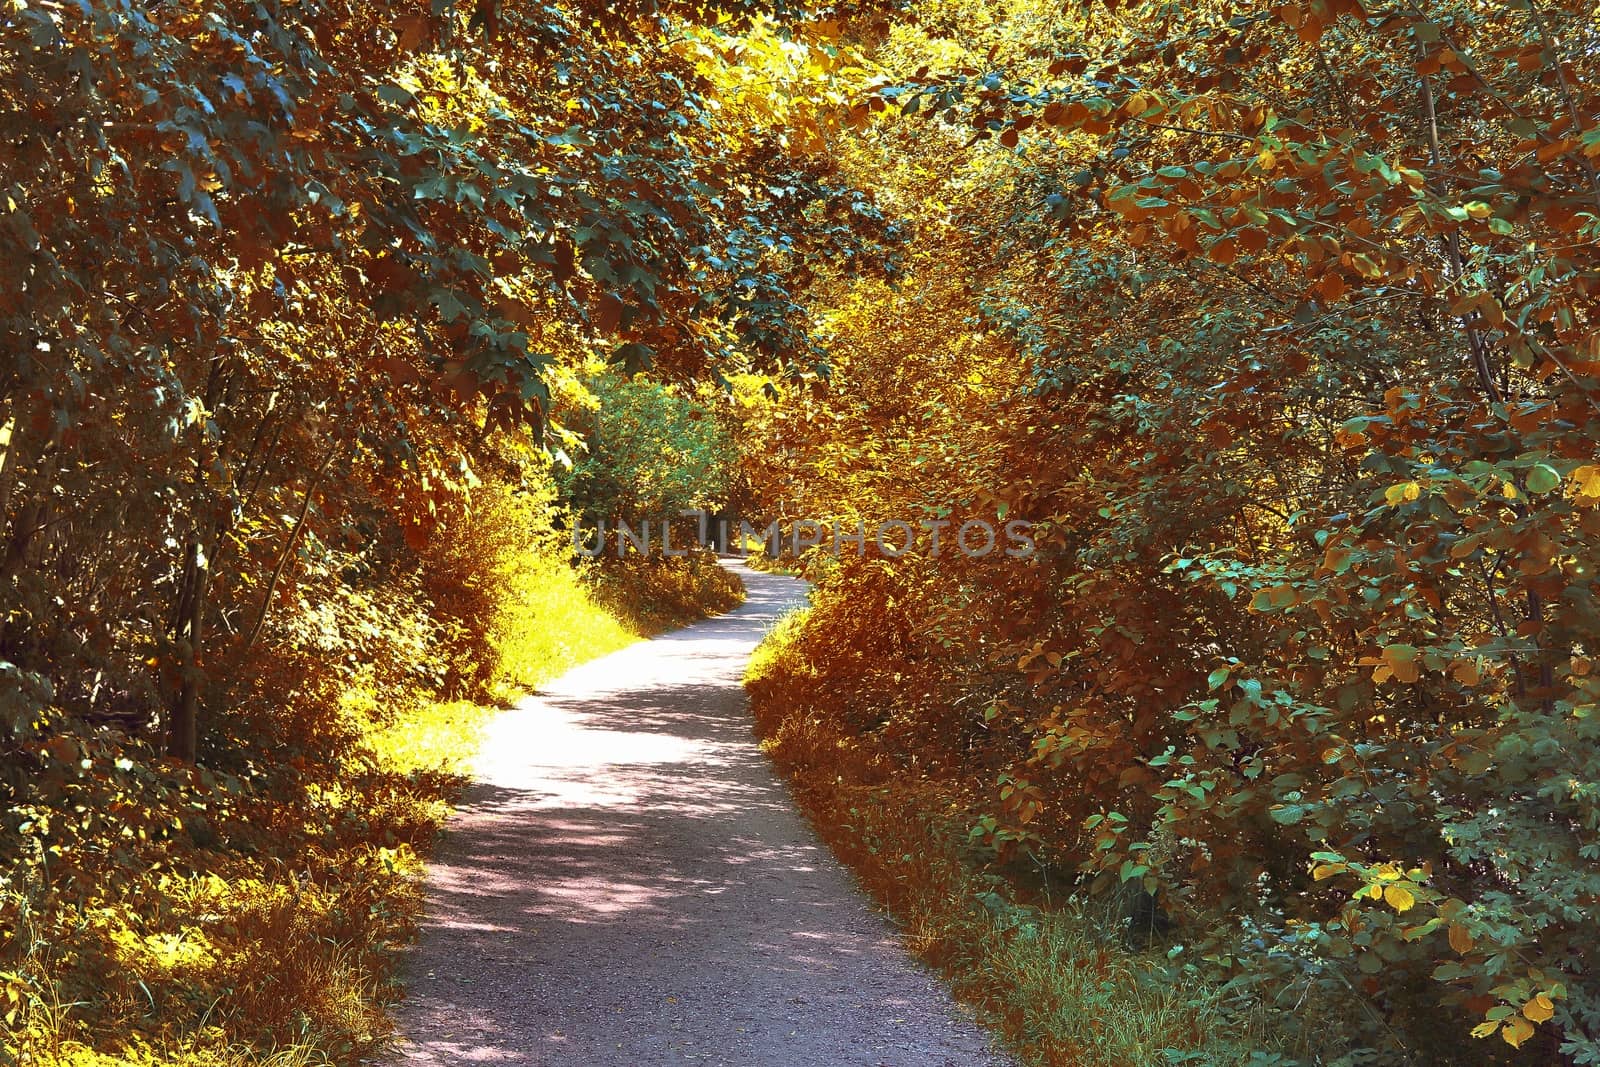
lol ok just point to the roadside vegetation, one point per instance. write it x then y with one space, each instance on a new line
1278 323
326 322
249 910
1065 980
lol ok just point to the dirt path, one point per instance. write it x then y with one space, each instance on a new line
628 884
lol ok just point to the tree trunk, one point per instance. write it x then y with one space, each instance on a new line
288 549
184 735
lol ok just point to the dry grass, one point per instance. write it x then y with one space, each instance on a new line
549 620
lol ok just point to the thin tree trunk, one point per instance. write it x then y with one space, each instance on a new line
1457 266
184 736
8 455
25 448
288 549
1457 271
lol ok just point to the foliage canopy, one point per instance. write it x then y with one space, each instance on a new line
1277 320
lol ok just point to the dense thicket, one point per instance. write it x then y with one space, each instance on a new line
1280 322
254 252
1276 320
292 297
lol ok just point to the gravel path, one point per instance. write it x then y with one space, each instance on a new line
628 884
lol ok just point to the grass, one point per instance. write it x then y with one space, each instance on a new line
1055 981
758 560
549 621
268 934
772 654
655 593
139 1054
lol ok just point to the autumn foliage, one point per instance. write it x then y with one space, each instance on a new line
324 321
1279 320
294 297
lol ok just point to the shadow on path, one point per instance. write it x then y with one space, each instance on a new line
627 883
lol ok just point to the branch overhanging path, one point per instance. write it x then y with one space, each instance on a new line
628 883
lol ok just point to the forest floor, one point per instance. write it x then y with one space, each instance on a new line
628 882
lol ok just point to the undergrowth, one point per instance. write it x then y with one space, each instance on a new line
1053 975
248 909
758 560
656 593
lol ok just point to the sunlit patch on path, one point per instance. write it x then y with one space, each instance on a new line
628 884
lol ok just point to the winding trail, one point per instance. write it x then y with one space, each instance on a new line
627 883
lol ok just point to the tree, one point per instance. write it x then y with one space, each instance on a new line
1306 418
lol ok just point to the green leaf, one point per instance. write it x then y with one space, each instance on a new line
1287 814
1543 478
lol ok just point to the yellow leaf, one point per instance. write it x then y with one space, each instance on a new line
1401 660
1399 897
1517 1031
1539 1009
1586 484
1484 1029
1402 493
1366 266
1328 870
1460 938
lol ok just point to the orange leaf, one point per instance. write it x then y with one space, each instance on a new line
1586 484
1400 661
1539 1009
1516 1031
